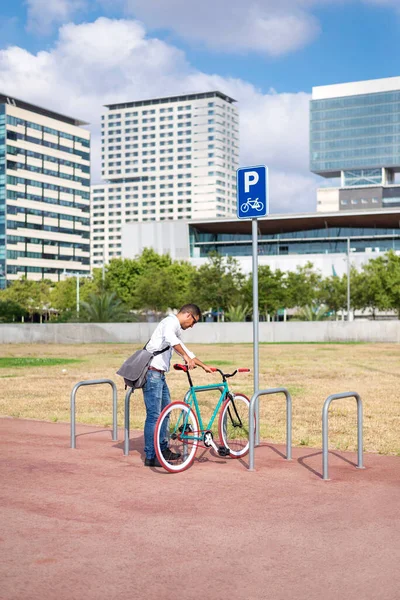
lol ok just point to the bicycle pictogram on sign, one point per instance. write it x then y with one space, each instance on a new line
255 204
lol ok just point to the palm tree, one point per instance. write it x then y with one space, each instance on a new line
236 312
313 312
104 307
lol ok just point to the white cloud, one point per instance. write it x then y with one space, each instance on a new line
272 27
292 192
44 14
233 26
269 27
111 61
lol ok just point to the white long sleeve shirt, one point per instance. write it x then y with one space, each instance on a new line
167 333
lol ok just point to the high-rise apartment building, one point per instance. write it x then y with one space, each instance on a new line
44 193
164 159
355 136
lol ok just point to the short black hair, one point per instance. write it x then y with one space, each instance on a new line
191 308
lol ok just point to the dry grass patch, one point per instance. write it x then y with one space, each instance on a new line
311 372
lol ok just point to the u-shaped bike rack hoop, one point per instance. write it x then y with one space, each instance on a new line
325 443
252 433
73 394
127 416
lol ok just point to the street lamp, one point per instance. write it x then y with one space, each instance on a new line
77 275
348 279
348 276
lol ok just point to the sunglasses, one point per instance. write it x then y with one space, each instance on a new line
194 319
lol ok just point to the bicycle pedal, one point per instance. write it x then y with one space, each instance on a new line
222 451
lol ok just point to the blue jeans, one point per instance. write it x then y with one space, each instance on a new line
156 398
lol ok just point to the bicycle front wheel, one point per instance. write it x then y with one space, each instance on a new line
234 425
175 437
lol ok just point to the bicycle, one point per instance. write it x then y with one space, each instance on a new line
180 425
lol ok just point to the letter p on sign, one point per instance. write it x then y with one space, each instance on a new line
250 178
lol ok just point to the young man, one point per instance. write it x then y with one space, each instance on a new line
155 391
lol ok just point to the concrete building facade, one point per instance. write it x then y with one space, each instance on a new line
355 136
164 159
44 193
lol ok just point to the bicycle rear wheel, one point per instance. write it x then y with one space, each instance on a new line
234 425
175 434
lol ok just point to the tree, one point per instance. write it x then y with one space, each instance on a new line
63 294
104 307
271 290
150 281
181 273
333 292
237 313
380 289
32 296
155 290
392 282
302 286
149 259
168 287
122 275
218 283
10 311
313 312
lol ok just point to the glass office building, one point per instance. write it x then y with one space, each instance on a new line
300 235
355 135
2 197
44 193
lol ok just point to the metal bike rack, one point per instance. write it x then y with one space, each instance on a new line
252 435
127 416
325 444
73 394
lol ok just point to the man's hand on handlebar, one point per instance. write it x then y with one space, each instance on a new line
198 363
191 362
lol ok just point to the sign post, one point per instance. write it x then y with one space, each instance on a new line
252 203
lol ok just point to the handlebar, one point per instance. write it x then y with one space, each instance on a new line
179 367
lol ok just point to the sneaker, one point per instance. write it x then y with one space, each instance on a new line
169 455
152 462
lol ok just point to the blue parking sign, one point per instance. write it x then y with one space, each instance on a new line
252 192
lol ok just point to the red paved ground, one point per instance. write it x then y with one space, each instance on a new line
93 524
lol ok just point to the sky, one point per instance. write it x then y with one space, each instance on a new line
74 56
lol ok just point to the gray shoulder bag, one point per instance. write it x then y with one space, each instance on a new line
134 370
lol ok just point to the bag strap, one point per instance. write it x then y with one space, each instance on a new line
157 352
161 351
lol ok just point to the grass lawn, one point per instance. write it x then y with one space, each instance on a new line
36 382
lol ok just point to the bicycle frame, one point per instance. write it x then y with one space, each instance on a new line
191 400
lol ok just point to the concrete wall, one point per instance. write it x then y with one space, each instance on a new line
203 333
165 237
328 199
